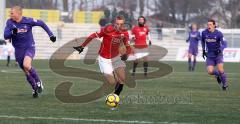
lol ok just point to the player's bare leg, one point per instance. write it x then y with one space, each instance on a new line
26 67
120 74
222 75
213 71
210 70
110 79
114 79
32 74
145 65
27 64
135 63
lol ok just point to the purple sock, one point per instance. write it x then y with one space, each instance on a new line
216 73
224 79
34 74
194 63
189 62
31 81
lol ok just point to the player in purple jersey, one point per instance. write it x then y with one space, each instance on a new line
193 39
19 30
213 44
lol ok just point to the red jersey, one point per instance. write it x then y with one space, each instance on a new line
140 34
112 39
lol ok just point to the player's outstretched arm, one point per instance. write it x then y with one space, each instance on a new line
45 27
53 38
79 48
87 41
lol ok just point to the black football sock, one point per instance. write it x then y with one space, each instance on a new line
8 60
194 64
145 66
118 88
189 64
134 67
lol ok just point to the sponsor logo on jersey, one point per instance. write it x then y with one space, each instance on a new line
193 35
116 39
142 33
210 40
145 29
22 30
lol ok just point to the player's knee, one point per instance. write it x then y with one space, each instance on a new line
221 70
145 59
122 80
111 82
26 67
210 72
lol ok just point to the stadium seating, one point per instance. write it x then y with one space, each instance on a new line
45 48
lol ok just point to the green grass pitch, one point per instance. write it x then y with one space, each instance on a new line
181 97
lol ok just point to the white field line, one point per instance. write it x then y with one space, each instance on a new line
48 70
87 120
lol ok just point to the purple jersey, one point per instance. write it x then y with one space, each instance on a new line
214 43
24 38
193 38
23 41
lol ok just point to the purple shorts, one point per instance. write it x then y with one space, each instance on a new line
193 50
21 54
213 61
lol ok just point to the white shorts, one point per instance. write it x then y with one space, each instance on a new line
107 66
140 53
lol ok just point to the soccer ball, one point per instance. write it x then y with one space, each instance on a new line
112 100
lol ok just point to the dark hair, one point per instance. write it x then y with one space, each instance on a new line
213 21
120 17
142 17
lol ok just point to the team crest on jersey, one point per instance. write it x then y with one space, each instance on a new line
145 29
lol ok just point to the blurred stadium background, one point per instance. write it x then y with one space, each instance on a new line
168 20
200 100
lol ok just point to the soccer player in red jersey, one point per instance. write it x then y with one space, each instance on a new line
141 35
111 62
